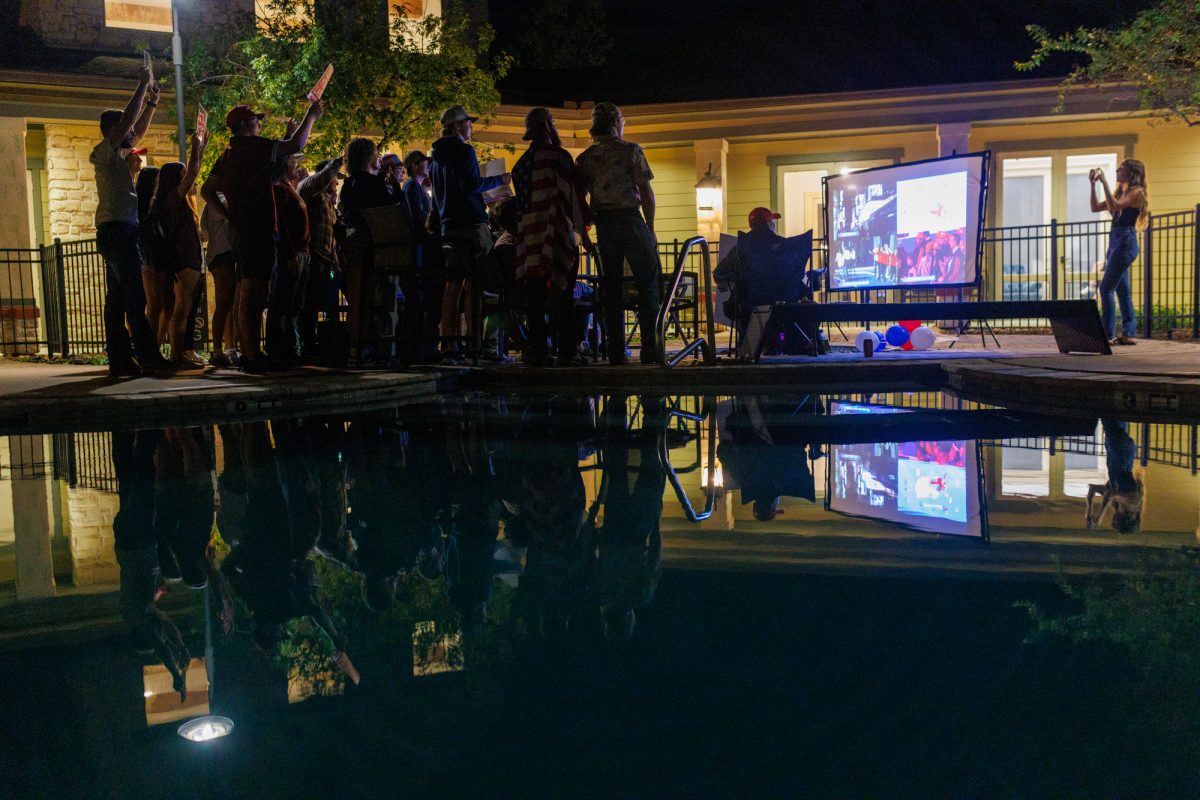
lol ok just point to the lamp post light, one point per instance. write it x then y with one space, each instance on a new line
708 192
177 60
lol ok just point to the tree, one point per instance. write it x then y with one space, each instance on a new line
1158 55
558 35
389 82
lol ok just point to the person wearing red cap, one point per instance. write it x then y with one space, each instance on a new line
127 333
759 271
240 187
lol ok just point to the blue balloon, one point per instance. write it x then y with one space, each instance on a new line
881 343
897 335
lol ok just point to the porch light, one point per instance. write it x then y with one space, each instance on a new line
206 728
708 191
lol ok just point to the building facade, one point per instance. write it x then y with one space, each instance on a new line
766 151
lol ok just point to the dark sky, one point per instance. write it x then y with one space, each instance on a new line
701 49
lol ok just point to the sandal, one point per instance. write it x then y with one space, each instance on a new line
1124 341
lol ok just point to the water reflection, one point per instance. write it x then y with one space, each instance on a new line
363 554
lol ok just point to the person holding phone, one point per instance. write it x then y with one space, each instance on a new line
1129 208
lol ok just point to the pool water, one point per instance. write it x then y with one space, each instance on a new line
890 594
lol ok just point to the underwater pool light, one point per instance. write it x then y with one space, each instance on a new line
206 728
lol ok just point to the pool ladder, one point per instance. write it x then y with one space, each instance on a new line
707 343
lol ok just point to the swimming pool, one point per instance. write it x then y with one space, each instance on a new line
595 595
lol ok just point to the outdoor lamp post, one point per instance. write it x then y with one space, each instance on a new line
708 192
177 60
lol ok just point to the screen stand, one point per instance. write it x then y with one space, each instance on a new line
985 329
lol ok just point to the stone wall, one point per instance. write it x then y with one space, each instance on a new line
93 559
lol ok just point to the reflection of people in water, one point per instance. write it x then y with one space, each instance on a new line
137 554
544 502
1124 492
183 505
270 569
398 474
629 552
763 468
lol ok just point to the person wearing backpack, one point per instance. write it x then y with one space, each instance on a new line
175 244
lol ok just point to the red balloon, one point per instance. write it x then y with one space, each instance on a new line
910 325
907 345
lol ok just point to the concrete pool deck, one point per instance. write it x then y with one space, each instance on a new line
1154 380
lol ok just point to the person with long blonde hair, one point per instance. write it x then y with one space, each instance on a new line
1129 206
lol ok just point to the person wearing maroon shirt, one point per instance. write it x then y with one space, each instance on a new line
240 186
291 271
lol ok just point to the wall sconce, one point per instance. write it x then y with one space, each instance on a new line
708 192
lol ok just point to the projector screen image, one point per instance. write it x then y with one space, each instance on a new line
907 225
930 486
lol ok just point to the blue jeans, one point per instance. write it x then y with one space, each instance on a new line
124 297
1122 250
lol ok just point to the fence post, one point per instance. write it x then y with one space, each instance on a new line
1148 278
60 276
1053 259
1196 272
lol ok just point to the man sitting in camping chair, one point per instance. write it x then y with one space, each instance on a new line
763 269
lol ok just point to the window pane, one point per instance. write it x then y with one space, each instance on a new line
141 15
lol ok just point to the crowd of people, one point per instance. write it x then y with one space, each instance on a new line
410 247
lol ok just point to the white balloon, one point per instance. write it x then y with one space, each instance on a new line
923 338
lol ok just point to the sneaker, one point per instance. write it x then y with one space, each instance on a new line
191 356
1124 341
130 370
220 360
184 365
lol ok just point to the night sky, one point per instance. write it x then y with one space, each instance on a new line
668 50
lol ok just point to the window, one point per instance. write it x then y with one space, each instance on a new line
800 195
138 15
1025 470
1034 190
413 9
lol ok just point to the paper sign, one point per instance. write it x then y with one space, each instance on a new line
201 120
492 169
319 88
147 60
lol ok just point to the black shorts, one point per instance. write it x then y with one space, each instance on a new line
464 249
254 255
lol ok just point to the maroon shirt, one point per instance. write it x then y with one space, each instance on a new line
243 175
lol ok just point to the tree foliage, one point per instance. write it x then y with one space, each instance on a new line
558 35
1157 54
389 82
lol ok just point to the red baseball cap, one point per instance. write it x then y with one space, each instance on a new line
139 151
762 216
239 114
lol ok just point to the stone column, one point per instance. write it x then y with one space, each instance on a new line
953 138
18 290
32 520
710 223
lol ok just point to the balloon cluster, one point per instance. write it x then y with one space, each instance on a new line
909 334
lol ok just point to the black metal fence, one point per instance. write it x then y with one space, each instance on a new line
52 298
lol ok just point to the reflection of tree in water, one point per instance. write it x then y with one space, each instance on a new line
390 643
1151 617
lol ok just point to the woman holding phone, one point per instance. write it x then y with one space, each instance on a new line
1129 208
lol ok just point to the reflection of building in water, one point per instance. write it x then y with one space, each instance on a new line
162 701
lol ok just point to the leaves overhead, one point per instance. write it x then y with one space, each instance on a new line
1157 55
390 82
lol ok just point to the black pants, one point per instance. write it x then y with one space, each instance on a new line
623 235
320 295
283 306
124 297
560 306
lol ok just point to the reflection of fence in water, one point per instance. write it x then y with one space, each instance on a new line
1169 445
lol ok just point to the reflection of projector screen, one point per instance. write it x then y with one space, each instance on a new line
907 225
930 486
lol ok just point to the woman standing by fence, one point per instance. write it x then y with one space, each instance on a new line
1129 207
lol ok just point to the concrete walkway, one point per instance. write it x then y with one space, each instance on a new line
1153 380
48 397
